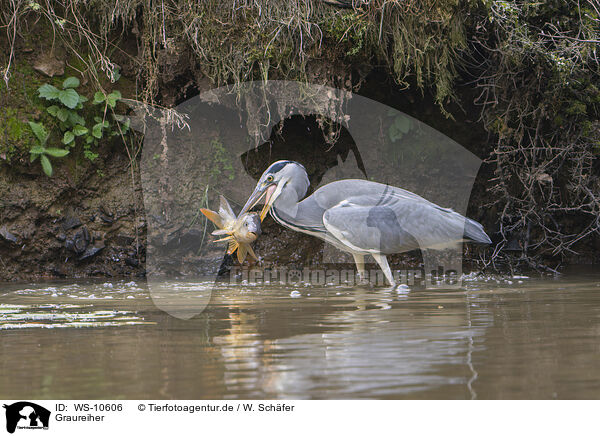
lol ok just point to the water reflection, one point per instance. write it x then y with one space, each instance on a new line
535 339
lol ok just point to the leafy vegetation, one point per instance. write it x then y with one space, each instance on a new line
41 151
69 110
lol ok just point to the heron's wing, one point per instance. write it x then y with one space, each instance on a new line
370 193
393 224
371 216
368 228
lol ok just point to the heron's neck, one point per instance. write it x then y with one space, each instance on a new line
287 203
298 215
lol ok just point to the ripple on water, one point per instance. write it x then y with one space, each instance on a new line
54 316
74 314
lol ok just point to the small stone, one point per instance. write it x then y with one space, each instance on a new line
70 222
124 240
132 261
105 212
106 219
50 66
7 235
58 271
544 178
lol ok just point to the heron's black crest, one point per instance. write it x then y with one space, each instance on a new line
278 166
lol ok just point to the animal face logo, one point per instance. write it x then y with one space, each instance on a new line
25 414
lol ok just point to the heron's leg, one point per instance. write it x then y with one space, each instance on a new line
359 260
385 267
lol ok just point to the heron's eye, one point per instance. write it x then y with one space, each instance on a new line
269 178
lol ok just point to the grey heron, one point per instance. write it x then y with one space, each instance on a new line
360 216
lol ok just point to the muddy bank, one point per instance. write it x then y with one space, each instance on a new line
61 228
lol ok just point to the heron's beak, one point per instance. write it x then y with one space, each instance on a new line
257 196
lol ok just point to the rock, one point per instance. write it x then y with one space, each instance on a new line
106 216
86 235
105 211
101 272
132 261
7 235
79 242
58 271
61 237
544 178
106 219
50 66
70 222
513 245
91 252
124 240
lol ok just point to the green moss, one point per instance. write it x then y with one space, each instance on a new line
222 164
349 29
14 128
18 105
576 108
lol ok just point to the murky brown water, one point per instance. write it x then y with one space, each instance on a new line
516 338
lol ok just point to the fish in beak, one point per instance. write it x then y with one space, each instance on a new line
259 193
239 231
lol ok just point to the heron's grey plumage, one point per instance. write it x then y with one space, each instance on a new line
365 217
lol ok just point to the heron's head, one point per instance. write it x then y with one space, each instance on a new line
281 174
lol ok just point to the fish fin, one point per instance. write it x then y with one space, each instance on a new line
225 210
242 251
213 216
251 252
228 238
221 232
233 245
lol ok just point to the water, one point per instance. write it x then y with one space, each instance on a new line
498 339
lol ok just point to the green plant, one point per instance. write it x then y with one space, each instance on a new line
70 111
41 150
399 128
222 165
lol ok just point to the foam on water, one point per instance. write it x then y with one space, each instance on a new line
95 310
